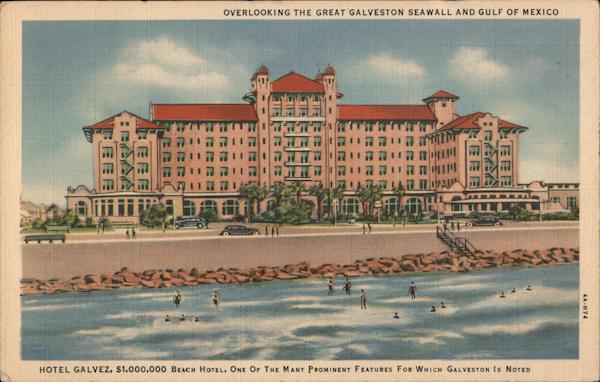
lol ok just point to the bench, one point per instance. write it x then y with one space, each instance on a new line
47 237
58 228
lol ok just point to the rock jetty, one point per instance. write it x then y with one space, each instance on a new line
432 262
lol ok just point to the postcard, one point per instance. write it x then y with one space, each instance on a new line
299 191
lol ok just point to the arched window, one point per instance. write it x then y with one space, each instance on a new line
209 206
231 207
81 208
413 206
456 206
391 206
350 206
189 208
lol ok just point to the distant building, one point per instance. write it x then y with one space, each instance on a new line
195 157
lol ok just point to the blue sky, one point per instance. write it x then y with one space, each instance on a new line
77 73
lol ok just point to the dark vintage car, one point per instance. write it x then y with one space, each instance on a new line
190 222
486 221
238 230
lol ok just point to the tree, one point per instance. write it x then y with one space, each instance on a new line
280 192
154 216
261 193
337 194
297 190
369 196
399 192
320 193
253 193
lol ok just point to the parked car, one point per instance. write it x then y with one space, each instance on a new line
238 230
190 222
486 221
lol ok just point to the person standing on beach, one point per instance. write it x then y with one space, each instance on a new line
452 225
348 286
177 299
133 233
277 231
369 225
363 299
364 229
412 290
273 231
127 233
330 287
215 300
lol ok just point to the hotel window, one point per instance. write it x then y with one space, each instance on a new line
108 168
252 171
143 168
291 157
474 151
506 181
489 180
410 155
422 170
304 127
125 136
290 112
277 141
291 172
369 141
369 170
223 156
422 155
210 171
209 142
409 126
382 141
166 142
341 155
303 112
317 155
317 112
341 141
210 156
304 142
142 134
487 136
423 184
341 170
381 126
142 152
571 202
369 155
224 171
368 126
277 112
382 170
251 127
223 142
474 181
209 127
555 199
369 183
166 171
252 142
383 184
290 127
223 127
180 127
505 165
409 141
277 127
382 155
107 152
489 150
503 134
277 171
180 171
180 157
210 186
317 127
505 150
304 172
224 186
474 165
472 134
107 134
410 170
342 184
317 141
422 127
180 142
143 184
252 157
277 156
291 142
108 185
410 184
341 127
422 141
317 170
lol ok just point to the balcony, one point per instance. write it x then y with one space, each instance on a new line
297 164
284 118
292 134
296 148
297 178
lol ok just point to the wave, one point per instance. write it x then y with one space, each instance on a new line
539 296
515 328
56 306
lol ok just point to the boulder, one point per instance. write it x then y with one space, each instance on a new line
185 276
92 279
147 284
351 274
285 276
407 266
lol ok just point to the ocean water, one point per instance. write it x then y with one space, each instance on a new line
296 320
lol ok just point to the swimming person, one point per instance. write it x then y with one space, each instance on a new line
528 287
443 306
196 319
412 290
330 287
215 300
182 318
396 315
432 309
502 295
363 299
513 290
348 286
167 318
177 299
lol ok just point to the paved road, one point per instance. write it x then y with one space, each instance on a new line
107 256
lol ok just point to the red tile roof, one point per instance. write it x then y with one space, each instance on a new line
203 112
440 94
108 123
385 112
294 82
469 122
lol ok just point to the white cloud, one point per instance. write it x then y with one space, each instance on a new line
166 64
390 65
476 64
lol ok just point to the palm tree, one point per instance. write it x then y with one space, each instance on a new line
280 192
368 196
248 192
399 191
260 194
298 189
320 193
337 193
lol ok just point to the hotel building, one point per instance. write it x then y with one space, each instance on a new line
195 157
